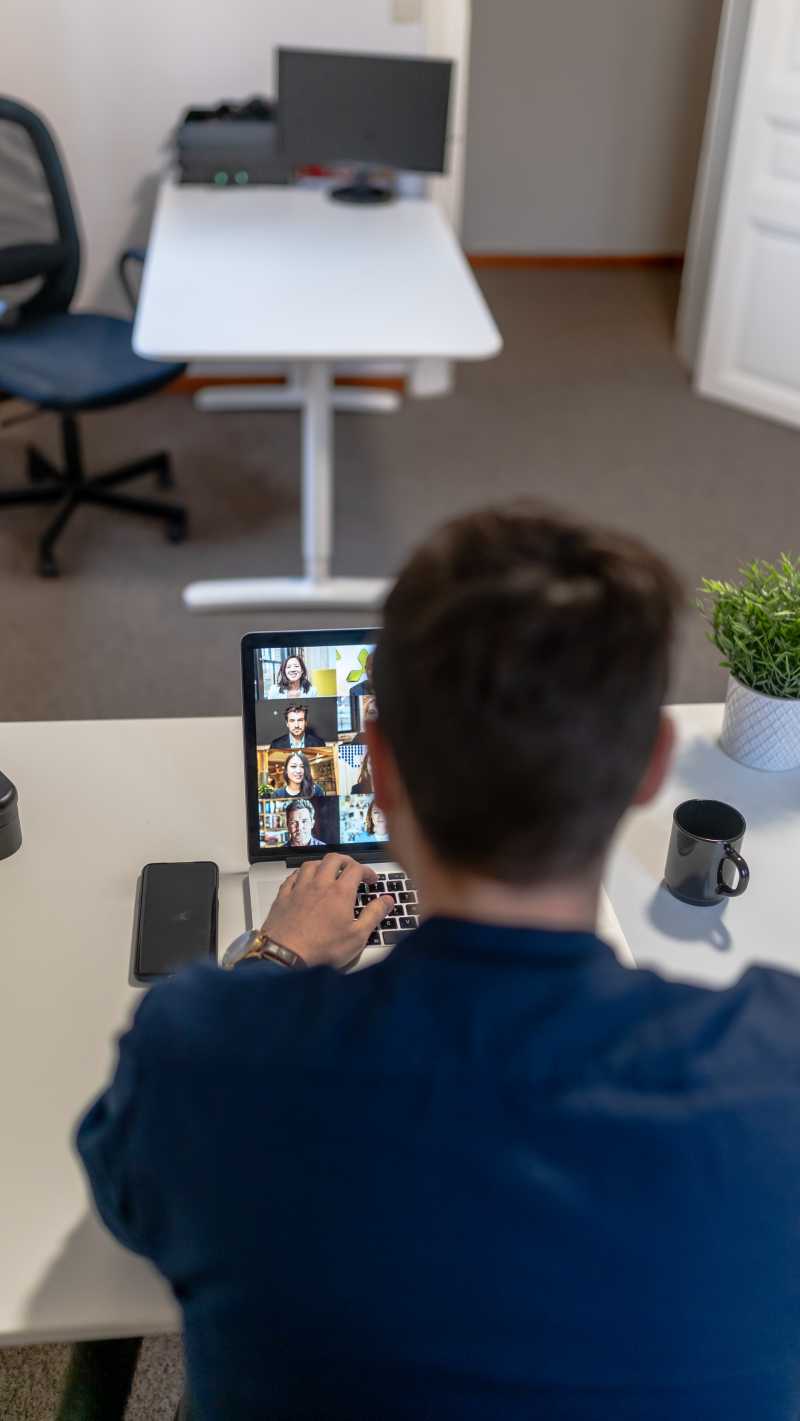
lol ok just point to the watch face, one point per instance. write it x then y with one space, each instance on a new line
238 948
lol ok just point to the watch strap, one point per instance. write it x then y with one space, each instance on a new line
256 945
265 949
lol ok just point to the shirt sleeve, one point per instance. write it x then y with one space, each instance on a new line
123 1139
103 1140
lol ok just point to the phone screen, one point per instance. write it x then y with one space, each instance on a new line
177 917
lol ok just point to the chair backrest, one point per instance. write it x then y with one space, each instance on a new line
39 241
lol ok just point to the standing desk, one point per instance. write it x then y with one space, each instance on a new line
284 273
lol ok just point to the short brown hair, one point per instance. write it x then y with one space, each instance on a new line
534 642
293 707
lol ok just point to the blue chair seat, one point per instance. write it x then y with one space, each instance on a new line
77 362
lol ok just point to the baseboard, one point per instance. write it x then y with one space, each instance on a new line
551 260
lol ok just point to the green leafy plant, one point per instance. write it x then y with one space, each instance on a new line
755 623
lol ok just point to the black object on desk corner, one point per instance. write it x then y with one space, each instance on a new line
706 835
10 827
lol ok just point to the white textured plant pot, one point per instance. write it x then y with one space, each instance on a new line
760 731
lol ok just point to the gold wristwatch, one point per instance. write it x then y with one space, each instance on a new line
257 946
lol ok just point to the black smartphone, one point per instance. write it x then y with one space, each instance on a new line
177 918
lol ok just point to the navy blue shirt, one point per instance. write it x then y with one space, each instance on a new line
497 1176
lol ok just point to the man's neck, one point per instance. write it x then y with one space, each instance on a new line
296 742
560 906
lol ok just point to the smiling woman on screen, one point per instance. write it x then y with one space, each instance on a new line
292 679
297 778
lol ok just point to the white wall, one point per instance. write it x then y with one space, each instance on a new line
585 120
112 78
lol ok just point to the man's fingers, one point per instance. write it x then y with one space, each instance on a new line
350 876
333 865
372 913
288 884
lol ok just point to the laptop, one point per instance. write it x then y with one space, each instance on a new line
306 697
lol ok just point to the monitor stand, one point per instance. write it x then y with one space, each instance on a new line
362 192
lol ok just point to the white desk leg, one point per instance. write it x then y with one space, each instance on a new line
317 474
316 588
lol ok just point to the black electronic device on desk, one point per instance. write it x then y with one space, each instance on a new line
10 829
370 111
177 918
231 145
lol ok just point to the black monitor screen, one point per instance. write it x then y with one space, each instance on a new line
363 109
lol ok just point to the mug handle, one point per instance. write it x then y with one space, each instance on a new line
743 870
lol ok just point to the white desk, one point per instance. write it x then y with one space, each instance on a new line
284 273
97 801
712 946
100 799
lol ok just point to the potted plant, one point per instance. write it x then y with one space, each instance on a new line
755 623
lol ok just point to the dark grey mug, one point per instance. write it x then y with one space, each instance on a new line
706 834
10 831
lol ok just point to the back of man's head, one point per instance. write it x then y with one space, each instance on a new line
539 648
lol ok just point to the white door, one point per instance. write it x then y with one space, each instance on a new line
750 345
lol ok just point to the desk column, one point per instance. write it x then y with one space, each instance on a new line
317 474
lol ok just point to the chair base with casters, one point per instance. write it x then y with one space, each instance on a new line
69 487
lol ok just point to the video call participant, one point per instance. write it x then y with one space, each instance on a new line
498 1176
292 680
300 825
297 777
364 687
299 734
363 784
375 821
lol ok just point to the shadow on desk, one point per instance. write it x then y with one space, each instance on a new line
96 1289
685 923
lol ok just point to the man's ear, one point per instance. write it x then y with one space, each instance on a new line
659 763
384 769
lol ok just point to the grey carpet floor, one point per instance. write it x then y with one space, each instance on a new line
587 406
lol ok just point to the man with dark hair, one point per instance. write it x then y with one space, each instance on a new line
298 734
498 1176
300 825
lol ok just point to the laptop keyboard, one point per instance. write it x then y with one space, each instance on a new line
401 919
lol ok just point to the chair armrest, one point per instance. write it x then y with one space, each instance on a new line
136 254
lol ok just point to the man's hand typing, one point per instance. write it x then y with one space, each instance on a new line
313 913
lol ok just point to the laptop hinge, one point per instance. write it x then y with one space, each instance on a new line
379 853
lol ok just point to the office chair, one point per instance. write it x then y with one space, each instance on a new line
56 359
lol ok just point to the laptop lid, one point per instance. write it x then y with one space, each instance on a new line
306 697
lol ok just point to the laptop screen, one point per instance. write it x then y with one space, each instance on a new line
307 697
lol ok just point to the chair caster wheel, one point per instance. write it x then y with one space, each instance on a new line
36 473
48 567
177 528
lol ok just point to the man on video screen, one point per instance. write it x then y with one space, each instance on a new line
300 825
298 734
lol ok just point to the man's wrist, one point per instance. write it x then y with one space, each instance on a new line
258 946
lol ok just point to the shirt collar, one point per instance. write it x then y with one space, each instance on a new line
461 937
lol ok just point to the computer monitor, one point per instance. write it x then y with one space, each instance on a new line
369 110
